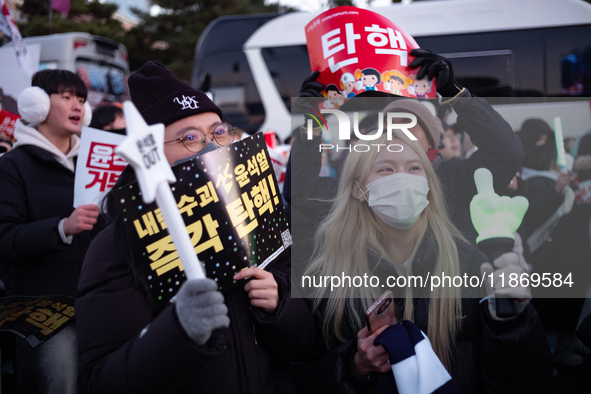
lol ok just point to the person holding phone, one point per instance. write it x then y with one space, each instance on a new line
381 313
389 220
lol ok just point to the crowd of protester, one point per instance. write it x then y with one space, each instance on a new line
345 216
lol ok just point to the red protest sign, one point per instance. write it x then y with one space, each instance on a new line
7 124
357 50
104 165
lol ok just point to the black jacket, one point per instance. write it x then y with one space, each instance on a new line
125 348
490 356
36 192
499 150
543 202
543 199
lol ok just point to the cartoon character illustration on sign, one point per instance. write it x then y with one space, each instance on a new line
420 88
369 78
334 99
347 85
396 82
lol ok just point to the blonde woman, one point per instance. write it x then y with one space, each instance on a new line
389 220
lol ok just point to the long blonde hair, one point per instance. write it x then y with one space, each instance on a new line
350 233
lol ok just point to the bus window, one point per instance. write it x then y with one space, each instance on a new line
288 66
575 72
568 60
494 64
491 72
228 77
105 81
221 66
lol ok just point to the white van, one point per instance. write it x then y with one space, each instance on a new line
499 48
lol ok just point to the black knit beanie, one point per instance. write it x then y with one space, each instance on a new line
161 98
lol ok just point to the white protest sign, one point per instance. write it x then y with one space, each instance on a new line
98 166
144 150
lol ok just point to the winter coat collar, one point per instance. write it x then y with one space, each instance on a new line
423 261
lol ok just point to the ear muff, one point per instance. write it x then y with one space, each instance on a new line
33 104
87 114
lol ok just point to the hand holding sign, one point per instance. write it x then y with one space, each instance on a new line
144 150
358 50
82 219
435 66
262 289
311 87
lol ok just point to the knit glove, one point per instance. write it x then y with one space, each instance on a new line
200 309
436 66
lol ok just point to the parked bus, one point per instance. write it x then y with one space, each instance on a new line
100 62
499 48
221 66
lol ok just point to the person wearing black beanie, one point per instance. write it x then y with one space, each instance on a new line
162 98
205 341
192 121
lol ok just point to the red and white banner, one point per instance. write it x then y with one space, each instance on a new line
357 50
7 124
98 166
10 29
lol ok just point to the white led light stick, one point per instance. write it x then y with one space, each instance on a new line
144 150
560 152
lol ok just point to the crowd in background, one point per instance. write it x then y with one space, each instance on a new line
271 341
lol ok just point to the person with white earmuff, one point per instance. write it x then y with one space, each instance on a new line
43 238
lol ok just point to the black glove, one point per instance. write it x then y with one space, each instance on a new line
436 66
311 87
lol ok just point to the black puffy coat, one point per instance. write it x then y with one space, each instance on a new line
36 192
543 199
490 356
125 347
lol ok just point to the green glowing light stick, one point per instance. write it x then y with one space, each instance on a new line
560 152
496 218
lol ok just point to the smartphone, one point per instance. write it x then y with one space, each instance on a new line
381 313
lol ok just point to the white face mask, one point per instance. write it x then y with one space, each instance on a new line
398 199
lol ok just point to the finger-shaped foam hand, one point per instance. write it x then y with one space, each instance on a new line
494 216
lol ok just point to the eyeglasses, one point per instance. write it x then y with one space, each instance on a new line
194 140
